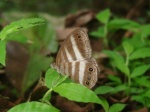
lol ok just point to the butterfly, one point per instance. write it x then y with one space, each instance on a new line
74 59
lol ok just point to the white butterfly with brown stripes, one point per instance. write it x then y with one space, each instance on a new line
74 59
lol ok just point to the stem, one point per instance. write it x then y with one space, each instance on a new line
46 94
105 37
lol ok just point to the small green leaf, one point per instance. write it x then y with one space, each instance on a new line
99 33
77 92
136 90
2 52
104 16
119 88
20 25
118 60
128 47
145 30
140 53
114 78
140 70
147 94
124 24
33 107
116 107
103 89
142 81
53 78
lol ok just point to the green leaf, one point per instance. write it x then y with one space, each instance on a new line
47 36
53 78
147 94
36 64
118 60
99 33
20 25
142 81
119 88
140 53
114 78
33 107
136 90
140 70
103 89
124 24
79 93
2 52
116 107
50 77
128 47
104 16
145 30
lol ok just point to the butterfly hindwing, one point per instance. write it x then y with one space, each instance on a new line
84 72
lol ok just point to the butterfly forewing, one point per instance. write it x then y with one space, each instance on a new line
74 59
75 47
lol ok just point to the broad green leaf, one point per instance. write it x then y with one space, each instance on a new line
140 53
17 36
118 60
140 70
124 24
77 92
99 33
114 78
2 52
103 89
104 16
117 107
33 107
128 47
20 25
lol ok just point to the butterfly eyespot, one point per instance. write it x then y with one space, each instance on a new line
90 69
87 83
89 78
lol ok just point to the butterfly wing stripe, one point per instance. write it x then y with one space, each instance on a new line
69 57
75 48
81 71
76 76
72 70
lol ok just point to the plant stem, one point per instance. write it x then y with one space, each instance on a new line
105 37
46 94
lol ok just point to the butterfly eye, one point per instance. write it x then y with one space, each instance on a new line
87 83
90 69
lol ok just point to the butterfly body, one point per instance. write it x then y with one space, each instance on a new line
74 59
